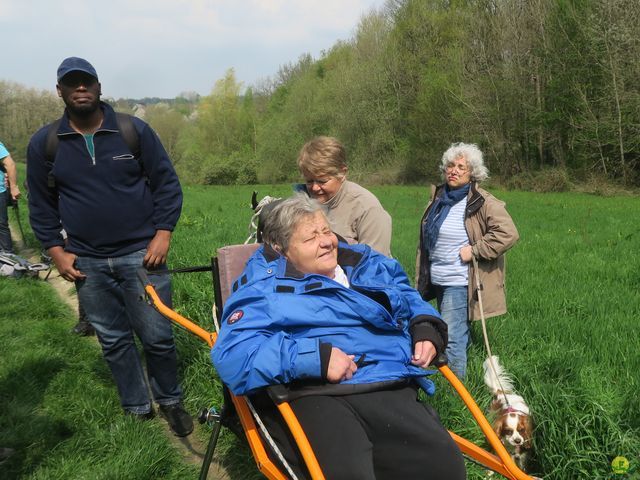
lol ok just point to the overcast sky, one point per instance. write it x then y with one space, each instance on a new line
161 48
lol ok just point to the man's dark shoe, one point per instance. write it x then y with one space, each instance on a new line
84 329
178 419
140 416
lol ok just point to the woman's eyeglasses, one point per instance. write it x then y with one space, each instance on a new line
460 168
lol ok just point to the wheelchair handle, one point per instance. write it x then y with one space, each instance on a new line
440 360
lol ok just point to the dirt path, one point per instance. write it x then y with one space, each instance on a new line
64 289
192 448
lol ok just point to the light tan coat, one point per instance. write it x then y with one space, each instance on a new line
491 233
358 216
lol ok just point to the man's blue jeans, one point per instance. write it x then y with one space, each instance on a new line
113 299
453 305
5 233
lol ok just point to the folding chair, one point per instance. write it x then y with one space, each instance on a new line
227 266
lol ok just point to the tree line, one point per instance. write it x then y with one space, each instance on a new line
537 84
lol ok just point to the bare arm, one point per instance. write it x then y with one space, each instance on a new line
12 176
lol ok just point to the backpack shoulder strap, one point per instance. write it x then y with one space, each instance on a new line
51 144
129 132
50 148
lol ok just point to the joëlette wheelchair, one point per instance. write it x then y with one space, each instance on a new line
227 266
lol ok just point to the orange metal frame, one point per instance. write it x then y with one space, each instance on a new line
501 463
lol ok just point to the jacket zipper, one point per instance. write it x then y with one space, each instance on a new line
86 142
93 157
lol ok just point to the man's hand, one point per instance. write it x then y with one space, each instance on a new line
64 263
157 249
341 366
423 354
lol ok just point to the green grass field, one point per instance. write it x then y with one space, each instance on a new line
570 340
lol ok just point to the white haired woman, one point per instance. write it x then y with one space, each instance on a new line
463 221
342 332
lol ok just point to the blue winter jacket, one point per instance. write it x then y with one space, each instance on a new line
278 322
110 204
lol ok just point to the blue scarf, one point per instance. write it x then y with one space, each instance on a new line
439 211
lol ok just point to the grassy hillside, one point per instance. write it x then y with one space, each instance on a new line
569 339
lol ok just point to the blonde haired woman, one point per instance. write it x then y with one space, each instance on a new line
353 211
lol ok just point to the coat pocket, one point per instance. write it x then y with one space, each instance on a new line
126 156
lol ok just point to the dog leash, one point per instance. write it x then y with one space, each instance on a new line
484 328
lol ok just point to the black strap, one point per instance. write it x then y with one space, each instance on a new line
129 132
51 146
204 268
288 392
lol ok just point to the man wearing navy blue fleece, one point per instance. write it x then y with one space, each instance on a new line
118 211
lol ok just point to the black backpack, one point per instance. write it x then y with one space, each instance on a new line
127 130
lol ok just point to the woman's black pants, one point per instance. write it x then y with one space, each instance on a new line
386 434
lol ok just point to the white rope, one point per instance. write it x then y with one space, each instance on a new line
270 440
484 327
216 322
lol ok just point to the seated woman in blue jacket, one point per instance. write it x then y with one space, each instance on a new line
341 328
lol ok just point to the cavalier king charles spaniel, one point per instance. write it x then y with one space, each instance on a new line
512 422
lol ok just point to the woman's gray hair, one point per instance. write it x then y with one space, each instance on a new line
284 217
472 154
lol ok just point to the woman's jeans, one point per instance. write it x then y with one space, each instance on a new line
453 307
5 233
114 300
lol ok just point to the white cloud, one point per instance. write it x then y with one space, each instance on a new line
164 47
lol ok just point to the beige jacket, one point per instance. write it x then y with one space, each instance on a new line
357 215
491 232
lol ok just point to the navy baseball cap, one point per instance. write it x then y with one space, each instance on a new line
73 64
